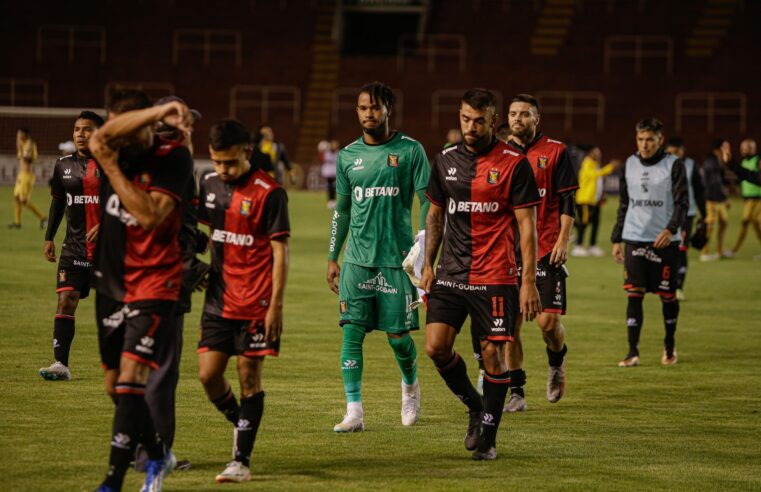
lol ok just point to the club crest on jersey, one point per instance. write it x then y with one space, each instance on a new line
245 208
144 178
393 160
542 161
62 276
343 307
493 177
97 173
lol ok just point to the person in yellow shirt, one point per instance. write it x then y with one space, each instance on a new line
589 200
26 152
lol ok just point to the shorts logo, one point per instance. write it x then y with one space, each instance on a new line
62 276
147 341
350 364
493 176
542 162
379 284
499 322
343 307
393 160
245 208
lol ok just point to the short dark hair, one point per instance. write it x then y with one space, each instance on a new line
227 133
127 100
717 143
675 142
378 91
526 98
649 125
92 116
480 99
23 129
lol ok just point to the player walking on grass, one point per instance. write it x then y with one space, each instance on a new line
480 190
26 152
654 204
138 268
247 212
557 183
377 177
74 190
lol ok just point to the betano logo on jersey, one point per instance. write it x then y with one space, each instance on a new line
233 238
362 193
645 203
81 199
472 207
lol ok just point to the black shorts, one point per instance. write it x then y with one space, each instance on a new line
137 330
493 309
74 275
651 269
550 282
235 337
684 245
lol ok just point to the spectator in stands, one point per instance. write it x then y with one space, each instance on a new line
503 132
696 194
328 156
715 183
26 152
276 152
589 199
453 138
751 194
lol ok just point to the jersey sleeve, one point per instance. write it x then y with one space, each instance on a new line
523 190
173 173
421 169
565 178
342 181
436 193
56 184
203 216
276 214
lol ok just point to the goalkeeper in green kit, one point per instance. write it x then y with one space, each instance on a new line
377 177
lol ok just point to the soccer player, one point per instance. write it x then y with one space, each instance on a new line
557 184
480 190
675 146
26 152
654 204
715 183
138 267
74 190
247 212
751 194
377 177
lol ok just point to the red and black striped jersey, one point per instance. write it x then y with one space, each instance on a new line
131 263
76 181
479 193
244 216
554 175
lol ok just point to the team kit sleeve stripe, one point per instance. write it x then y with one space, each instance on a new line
568 188
529 204
280 234
64 289
435 202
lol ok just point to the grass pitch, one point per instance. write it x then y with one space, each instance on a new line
692 426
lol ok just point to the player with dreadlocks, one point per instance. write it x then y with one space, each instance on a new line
377 177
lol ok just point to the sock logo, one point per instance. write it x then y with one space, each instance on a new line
350 364
488 419
631 322
244 425
55 343
120 441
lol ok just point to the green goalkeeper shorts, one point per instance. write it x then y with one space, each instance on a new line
377 298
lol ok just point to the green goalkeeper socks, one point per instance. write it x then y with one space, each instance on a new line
406 357
351 361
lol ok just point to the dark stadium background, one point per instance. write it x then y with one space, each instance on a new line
697 69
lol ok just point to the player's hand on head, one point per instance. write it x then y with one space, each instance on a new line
49 251
334 274
177 115
273 323
618 253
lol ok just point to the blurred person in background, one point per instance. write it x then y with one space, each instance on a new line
751 194
328 157
453 138
589 199
26 152
675 146
715 183
276 152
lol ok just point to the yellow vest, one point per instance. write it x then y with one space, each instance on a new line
588 176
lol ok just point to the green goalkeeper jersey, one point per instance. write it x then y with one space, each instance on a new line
382 181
